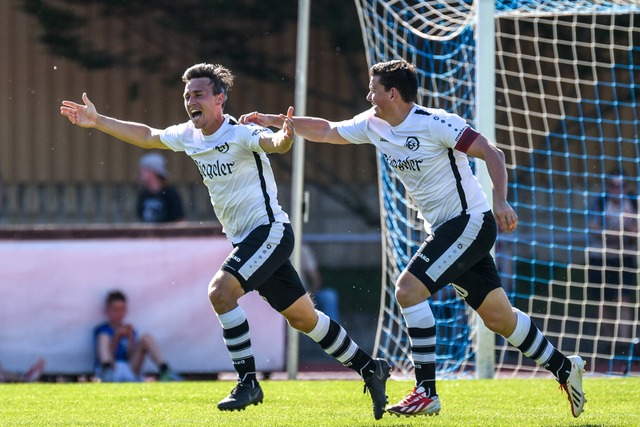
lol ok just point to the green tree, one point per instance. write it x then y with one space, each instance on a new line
224 29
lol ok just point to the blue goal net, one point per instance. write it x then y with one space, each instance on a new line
567 79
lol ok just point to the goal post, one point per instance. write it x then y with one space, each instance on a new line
485 123
566 114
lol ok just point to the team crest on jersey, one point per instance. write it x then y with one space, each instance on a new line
412 143
223 148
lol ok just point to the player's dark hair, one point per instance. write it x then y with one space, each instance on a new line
221 78
115 296
398 74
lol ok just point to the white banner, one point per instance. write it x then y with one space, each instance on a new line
52 295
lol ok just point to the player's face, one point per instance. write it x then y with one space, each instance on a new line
116 312
203 107
378 96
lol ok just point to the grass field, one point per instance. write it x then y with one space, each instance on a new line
487 403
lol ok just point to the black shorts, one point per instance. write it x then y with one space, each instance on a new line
261 263
458 253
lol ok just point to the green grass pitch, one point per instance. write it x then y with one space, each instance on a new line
486 403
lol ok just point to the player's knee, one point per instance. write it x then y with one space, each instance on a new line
302 315
494 324
224 294
218 297
402 296
497 313
304 324
498 322
408 293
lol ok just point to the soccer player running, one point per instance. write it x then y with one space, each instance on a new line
232 160
428 149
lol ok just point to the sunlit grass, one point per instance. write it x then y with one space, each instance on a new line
487 403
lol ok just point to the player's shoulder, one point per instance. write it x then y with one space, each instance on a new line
437 118
242 129
421 112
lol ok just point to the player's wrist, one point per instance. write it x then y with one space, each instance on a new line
273 120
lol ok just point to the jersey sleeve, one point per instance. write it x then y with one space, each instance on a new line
249 137
452 131
173 136
355 130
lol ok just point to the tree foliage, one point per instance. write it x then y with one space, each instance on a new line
151 33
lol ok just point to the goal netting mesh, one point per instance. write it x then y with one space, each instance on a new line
567 77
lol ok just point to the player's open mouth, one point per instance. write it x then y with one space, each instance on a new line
195 114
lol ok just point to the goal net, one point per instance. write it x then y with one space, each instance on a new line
567 83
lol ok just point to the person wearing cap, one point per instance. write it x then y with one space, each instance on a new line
157 200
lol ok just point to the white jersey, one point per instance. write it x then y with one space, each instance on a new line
422 151
236 171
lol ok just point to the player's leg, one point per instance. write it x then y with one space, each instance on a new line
493 306
285 292
224 291
412 295
250 264
448 251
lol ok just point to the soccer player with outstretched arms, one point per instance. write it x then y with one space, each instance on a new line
232 160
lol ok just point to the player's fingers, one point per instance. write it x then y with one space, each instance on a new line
290 112
243 120
511 223
288 121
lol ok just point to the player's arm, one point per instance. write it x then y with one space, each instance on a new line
86 116
313 129
481 148
281 141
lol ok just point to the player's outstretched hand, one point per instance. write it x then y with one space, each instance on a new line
287 126
261 119
253 118
81 115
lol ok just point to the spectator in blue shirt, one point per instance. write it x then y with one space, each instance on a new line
119 351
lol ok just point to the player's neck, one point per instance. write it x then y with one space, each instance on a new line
399 113
214 126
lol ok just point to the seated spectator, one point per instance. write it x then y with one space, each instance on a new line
119 351
157 200
32 375
613 269
326 299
